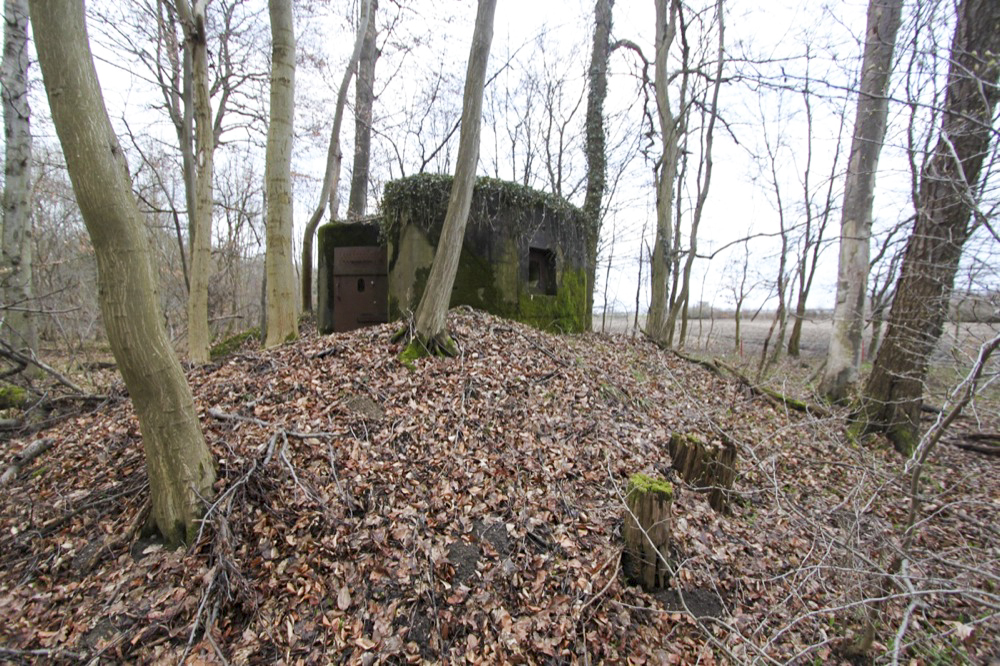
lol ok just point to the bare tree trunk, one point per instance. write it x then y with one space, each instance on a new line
595 148
947 197
638 283
843 361
18 327
282 322
780 320
810 245
364 99
666 28
195 30
704 183
334 158
180 466
431 316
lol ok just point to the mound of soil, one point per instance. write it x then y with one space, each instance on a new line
470 509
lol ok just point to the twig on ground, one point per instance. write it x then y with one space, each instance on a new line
9 352
226 416
54 653
26 455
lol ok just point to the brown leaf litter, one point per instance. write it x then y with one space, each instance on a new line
470 510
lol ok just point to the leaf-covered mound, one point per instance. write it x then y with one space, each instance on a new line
471 509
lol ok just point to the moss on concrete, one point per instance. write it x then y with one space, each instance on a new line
505 222
565 312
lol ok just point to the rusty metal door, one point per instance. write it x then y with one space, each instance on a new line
360 287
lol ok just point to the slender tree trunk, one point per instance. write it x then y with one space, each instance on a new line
843 362
282 322
666 28
947 197
179 463
808 271
199 334
704 183
19 328
737 318
364 99
595 140
431 315
334 157
802 272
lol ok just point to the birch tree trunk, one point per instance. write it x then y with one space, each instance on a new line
282 320
666 28
200 228
18 328
431 316
364 99
947 198
843 362
595 140
179 463
334 158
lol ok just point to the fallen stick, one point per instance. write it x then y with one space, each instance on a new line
778 399
14 355
985 449
25 456
226 416
54 653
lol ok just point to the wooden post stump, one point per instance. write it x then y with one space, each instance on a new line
708 466
647 531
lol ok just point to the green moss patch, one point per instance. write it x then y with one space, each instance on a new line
233 343
647 484
12 396
508 226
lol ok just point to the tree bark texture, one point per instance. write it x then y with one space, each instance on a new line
947 197
647 532
179 463
282 320
431 315
709 466
704 183
595 152
196 41
18 328
334 158
364 99
843 362
666 28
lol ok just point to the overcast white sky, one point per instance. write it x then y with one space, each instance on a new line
742 197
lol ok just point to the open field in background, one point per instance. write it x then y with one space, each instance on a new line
955 354
718 336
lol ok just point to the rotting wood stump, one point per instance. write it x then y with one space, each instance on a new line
647 532
708 466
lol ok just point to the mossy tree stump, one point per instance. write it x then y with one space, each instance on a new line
709 466
647 531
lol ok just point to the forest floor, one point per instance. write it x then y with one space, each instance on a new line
470 510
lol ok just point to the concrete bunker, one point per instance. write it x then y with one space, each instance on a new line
523 256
